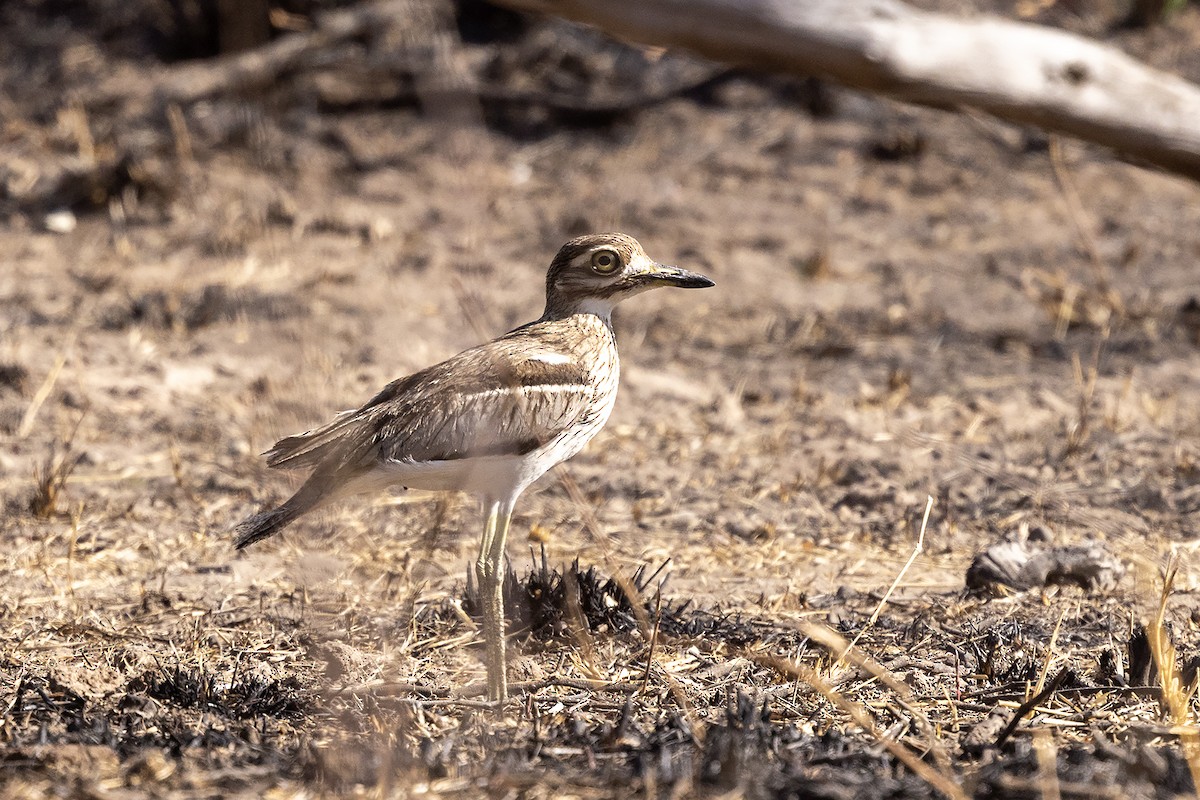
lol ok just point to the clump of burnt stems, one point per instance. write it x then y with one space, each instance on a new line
234 697
50 478
174 708
547 602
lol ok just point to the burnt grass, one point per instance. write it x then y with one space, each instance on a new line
910 305
760 735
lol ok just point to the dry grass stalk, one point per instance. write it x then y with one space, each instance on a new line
946 784
1047 761
179 130
1041 683
578 627
1087 239
1066 310
653 641
636 601
1176 697
597 534
177 472
424 550
1078 431
40 396
899 576
847 651
473 307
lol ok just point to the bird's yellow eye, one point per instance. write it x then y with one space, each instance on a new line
605 262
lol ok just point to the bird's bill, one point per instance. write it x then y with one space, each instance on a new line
663 275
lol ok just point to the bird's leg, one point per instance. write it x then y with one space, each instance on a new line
490 571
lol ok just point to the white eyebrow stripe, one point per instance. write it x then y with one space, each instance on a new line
551 358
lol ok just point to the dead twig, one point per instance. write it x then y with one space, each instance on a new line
945 784
1032 703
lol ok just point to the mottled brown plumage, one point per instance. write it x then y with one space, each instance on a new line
490 420
470 405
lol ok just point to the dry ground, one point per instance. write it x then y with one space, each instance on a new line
910 303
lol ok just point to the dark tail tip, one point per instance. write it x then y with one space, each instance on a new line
260 526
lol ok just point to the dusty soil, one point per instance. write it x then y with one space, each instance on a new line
910 304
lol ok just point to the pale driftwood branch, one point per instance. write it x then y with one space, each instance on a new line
1015 71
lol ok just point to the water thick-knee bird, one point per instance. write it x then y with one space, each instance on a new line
489 421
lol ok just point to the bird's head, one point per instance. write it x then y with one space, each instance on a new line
592 273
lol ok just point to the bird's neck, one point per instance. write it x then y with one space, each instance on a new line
559 308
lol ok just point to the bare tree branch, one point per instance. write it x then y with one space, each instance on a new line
247 71
1015 71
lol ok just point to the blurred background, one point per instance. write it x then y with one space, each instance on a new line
222 222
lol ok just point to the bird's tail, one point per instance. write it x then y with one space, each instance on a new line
262 525
313 494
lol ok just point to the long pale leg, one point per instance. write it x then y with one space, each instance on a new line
490 571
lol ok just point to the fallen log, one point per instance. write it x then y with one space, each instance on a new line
1015 71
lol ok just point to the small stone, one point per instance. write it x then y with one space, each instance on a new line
61 221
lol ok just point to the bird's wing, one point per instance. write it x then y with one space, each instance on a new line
491 400
502 403
310 448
